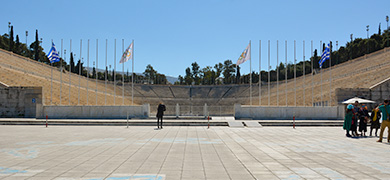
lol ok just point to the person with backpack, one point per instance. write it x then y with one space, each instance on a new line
385 108
160 113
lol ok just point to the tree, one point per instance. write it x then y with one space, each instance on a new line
228 72
238 75
150 73
379 29
188 77
71 63
208 75
11 41
36 46
195 73
218 69
17 48
93 73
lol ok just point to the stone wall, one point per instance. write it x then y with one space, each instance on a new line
20 101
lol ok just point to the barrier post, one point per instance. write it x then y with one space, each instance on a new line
208 121
294 121
46 120
127 119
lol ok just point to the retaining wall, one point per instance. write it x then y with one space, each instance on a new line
304 113
94 112
20 101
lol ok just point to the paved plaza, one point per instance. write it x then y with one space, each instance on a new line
188 152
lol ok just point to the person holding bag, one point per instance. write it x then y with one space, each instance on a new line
385 108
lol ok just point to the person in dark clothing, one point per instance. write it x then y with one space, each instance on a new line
160 113
363 116
375 124
355 117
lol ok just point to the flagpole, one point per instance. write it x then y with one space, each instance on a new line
114 70
277 73
269 75
105 78
321 72
285 74
123 77
96 71
132 75
304 75
88 73
250 73
51 84
312 85
295 73
330 71
259 72
61 70
70 70
81 42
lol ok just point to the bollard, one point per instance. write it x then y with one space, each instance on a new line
127 119
46 120
208 122
294 122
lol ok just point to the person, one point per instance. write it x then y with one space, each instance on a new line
385 108
375 124
160 113
363 117
348 119
354 122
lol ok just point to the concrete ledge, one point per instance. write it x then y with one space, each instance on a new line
280 113
94 112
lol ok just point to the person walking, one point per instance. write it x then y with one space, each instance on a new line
385 108
160 113
375 124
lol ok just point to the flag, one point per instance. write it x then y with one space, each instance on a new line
127 55
325 56
246 55
53 54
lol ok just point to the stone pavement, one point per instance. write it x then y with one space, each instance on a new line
184 152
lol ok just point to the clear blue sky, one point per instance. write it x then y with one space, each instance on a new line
172 34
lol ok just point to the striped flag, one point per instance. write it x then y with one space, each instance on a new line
246 55
127 55
53 54
325 56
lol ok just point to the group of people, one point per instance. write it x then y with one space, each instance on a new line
357 115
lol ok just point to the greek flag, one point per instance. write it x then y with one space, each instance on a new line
53 54
325 56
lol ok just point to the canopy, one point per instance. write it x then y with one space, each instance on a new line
360 100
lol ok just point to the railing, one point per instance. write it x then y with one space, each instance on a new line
197 111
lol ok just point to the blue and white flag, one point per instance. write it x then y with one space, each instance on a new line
325 56
53 54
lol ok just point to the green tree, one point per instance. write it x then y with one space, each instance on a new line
188 77
36 47
150 73
11 41
195 73
228 72
71 63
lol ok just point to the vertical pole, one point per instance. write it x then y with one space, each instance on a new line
61 70
51 83
277 73
81 43
269 74
304 74
330 71
123 77
312 85
88 72
105 78
127 118
250 73
259 72
132 75
96 71
295 73
114 70
70 70
286 70
46 120
321 72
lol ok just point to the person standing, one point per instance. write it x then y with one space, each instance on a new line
160 113
363 117
348 119
385 108
375 124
